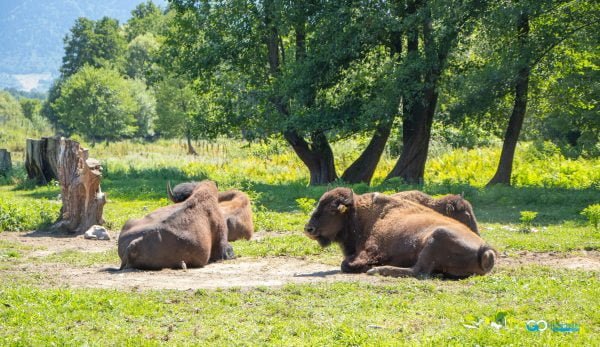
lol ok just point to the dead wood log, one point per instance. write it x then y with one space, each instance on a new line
79 178
41 159
5 162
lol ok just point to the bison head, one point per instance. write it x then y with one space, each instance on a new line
461 210
331 216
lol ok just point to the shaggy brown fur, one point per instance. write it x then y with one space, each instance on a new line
234 205
453 206
408 239
192 233
236 209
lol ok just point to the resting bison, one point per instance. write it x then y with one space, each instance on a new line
234 205
236 209
187 234
407 238
453 206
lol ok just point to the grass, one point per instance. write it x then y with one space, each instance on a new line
405 312
409 312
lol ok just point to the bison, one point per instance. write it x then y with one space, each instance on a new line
453 206
181 191
187 234
237 211
379 234
234 204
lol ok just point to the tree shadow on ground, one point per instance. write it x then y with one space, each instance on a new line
498 204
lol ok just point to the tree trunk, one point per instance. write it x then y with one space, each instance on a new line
416 133
363 168
191 149
418 107
5 162
515 123
318 156
82 198
41 159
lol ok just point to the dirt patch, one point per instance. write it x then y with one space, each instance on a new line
582 260
242 272
44 243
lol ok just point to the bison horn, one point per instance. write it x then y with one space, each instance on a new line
342 208
170 191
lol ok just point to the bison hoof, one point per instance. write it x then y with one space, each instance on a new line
228 253
347 268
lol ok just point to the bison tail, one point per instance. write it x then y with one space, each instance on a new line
487 257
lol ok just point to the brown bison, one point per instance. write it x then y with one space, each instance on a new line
187 234
234 204
181 191
408 239
237 211
453 206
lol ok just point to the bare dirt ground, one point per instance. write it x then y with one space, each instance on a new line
241 272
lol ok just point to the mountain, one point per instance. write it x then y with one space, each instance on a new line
32 32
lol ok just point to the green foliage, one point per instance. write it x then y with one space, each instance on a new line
15 126
19 216
526 219
141 57
146 18
306 204
100 104
592 213
182 112
95 43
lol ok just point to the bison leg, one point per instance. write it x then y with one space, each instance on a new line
358 263
447 253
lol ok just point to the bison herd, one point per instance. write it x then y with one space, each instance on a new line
405 234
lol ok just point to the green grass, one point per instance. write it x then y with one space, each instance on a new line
431 312
405 312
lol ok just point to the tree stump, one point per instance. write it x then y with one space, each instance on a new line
79 177
5 162
41 159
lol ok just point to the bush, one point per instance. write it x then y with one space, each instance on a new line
35 214
592 213
526 219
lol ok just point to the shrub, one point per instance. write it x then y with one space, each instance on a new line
592 213
27 216
526 219
306 204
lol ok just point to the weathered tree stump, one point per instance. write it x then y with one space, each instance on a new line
5 162
41 159
79 177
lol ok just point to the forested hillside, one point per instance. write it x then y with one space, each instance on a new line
32 32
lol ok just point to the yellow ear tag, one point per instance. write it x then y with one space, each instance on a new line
342 208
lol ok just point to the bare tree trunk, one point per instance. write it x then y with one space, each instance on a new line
5 162
191 149
82 198
318 157
416 133
515 123
363 168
